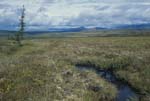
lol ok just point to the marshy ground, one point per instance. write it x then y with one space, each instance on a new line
44 69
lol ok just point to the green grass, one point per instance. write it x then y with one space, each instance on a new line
43 69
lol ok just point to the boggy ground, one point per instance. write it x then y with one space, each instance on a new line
43 69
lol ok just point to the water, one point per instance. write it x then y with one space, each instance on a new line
125 92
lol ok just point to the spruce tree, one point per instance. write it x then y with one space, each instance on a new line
20 33
22 24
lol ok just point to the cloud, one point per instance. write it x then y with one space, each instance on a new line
50 13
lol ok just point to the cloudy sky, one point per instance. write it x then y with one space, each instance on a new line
44 14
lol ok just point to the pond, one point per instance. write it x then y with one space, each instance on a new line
125 92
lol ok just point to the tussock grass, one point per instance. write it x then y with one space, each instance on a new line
43 69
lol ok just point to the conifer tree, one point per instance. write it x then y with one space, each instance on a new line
20 33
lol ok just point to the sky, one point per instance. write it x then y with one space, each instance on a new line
45 14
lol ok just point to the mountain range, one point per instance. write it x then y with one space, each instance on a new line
82 29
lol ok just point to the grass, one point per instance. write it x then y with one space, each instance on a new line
43 69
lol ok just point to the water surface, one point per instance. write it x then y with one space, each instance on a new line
125 92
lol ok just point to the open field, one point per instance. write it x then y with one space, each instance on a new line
43 69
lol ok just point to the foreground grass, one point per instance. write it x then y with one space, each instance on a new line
43 69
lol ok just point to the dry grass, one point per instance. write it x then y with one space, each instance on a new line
43 69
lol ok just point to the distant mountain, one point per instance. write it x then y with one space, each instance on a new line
134 26
76 29
134 29
41 29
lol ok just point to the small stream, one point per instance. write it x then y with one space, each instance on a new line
124 90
